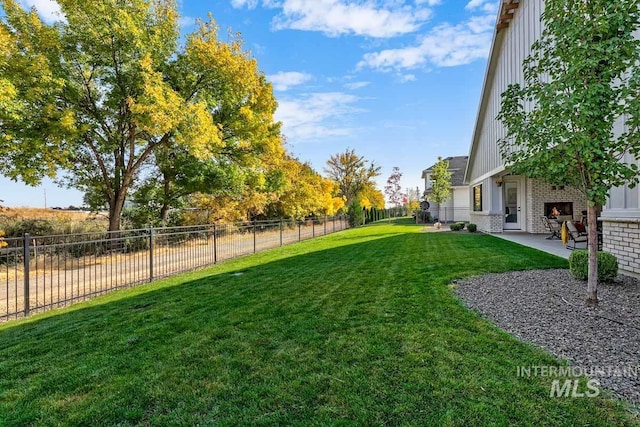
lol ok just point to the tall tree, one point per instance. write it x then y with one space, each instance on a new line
304 192
352 173
393 190
371 197
109 86
581 78
441 188
413 199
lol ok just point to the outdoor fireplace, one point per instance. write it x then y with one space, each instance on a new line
565 208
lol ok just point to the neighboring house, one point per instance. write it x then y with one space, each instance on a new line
500 201
456 208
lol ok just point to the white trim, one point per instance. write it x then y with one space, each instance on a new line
621 218
489 73
487 175
622 214
521 214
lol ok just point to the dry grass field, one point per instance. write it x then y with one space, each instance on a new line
48 214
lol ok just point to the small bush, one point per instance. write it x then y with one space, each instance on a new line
355 214
457 226
461 225
35 227
607 265
472 228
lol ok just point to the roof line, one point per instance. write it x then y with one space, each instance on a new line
498 35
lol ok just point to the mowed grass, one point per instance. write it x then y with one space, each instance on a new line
356 328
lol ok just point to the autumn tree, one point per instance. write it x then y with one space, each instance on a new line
371 197
413 199
441 187
393 190
352 173
581 78
305 192
109 90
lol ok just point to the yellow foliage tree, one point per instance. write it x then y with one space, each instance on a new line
109 89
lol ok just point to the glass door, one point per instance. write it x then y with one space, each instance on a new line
511 199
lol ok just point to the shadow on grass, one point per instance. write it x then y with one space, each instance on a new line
365 333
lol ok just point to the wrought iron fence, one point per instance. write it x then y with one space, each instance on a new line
39 273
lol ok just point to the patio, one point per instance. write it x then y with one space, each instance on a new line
537 241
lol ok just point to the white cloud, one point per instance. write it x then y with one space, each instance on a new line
251 4
405 78
371 18
186 21
444 46
316 115
48 10
283 80
356 85
487 6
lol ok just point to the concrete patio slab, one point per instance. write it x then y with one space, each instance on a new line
536 241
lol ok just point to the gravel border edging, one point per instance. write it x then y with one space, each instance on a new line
547 308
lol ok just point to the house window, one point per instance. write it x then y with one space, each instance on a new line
477 198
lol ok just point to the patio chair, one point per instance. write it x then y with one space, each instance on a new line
552 227
575 236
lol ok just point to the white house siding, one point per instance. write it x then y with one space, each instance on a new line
456 208
510 47
620 218
461 203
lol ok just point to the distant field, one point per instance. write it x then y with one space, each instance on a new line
48 214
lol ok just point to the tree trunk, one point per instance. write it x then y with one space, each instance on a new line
166 188
592 283
115 210
164 212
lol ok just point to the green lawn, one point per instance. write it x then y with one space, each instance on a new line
356 328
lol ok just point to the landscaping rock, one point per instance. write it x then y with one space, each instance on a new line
547 308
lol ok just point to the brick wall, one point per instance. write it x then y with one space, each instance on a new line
488 223
622 238
539 193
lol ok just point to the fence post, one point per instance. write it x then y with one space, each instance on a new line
281 229
26 252
150 254
333 220
313 227
254 236
299 235
325 225
215 246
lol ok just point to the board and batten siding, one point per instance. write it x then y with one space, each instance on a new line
510 47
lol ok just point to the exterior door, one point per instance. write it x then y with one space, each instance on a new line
512 208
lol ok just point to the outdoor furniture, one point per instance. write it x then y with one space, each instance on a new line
552 227
575 236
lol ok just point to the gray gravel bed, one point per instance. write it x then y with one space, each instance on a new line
547 308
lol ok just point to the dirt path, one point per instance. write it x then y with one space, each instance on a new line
59 281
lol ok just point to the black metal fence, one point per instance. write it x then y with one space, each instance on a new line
39 273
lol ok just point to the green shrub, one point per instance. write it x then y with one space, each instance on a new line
35 227
472 228
607 265
460 225
355 214
457 226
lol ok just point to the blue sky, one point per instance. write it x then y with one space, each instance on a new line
399 81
